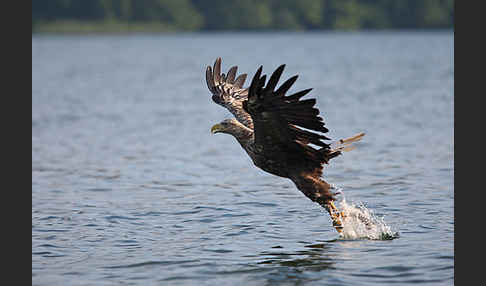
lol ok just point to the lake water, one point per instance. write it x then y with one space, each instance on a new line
130 188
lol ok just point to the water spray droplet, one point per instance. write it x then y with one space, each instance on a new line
361 223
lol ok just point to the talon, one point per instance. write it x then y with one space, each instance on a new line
336 217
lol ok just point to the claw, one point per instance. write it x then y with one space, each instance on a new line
336 216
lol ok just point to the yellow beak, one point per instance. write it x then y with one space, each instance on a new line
216 128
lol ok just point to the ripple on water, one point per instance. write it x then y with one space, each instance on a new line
256 204
135 190
151 264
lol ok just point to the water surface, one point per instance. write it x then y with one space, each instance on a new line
130 188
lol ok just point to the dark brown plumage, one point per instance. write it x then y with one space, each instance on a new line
270 126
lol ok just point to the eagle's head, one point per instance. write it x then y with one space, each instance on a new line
235 128
230 126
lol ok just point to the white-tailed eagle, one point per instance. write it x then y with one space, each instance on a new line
276 130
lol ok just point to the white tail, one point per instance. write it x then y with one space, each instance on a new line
345 144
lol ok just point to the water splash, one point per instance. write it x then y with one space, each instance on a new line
360 222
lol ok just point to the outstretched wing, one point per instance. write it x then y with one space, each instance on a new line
228 91
278 121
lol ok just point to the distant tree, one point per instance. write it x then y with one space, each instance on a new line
253 14
346 14
412 14
180 13
122 9
290 14
237 14
437 13
284 19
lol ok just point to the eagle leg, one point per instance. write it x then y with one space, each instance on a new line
318 191
336 215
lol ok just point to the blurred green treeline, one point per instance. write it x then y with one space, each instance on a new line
198 15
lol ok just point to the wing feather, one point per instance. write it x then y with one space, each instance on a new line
278 121
209 79
217 71
240 80
272 82
296 96
286 85
228 91
231 75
